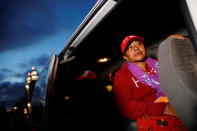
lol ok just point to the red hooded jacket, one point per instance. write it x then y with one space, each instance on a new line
135 99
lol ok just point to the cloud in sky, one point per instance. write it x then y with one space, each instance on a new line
4 73
40 61
16 90
22 22
19 74
12 77
5 70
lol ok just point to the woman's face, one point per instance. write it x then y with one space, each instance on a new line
135 53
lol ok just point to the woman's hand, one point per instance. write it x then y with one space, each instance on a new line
177 36
161 99
169 110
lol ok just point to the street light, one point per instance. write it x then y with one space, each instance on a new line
29 107
27 91
34 74
28 78
27 86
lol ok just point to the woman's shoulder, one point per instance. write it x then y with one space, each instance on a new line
123 71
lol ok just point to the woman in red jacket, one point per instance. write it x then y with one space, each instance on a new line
137 89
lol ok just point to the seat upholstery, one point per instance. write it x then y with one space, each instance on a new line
178 77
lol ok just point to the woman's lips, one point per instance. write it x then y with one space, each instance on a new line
138 53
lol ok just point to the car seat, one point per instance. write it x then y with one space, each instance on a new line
178 77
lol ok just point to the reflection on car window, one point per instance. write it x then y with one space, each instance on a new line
39 97
40 88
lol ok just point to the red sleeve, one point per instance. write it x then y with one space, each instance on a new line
129 107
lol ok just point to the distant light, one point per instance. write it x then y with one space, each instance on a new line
109 88
27 86
102 60
29 74
33 68
34 78
15 108
28 80
29 104
67 97
34 75
25 111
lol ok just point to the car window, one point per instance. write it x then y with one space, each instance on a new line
39 98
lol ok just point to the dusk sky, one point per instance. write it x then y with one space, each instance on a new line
30 31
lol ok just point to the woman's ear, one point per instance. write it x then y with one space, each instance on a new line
125 57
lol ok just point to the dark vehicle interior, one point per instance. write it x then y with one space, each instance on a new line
87 104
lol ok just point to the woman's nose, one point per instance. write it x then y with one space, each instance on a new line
136 48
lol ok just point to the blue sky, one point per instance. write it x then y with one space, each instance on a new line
29 32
